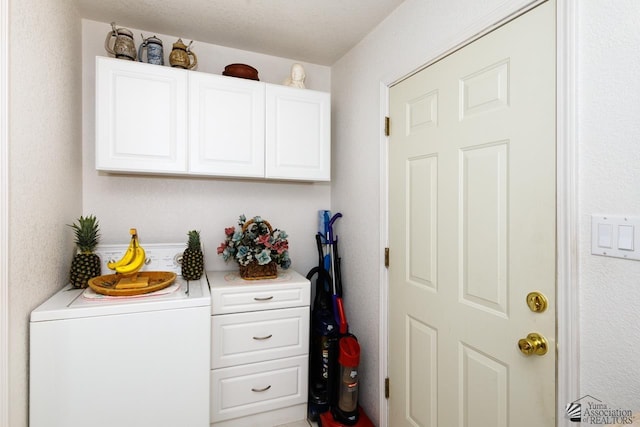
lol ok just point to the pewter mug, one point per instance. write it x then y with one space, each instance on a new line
153 45
123 47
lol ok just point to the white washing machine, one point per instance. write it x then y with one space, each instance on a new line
140 361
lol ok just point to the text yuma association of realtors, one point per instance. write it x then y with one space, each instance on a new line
599 413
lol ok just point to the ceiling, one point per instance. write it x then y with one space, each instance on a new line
318 32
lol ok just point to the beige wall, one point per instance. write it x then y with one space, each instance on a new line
609 174
46 182
45 141
45 168
51 167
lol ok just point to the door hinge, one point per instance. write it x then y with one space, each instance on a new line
386 257
386 126
386 388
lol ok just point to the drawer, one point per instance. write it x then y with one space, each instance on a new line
259 387
258 336
230 294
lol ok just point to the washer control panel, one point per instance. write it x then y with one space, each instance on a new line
160 256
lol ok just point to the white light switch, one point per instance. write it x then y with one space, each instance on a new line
625 237
605 234
615 236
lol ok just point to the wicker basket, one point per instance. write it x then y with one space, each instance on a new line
255 271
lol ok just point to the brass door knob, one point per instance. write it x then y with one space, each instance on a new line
534 343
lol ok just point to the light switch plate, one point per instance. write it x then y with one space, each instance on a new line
615 236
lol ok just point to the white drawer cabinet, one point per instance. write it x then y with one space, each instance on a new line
259 349
161 120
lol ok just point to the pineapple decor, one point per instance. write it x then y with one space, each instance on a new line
85 264
192 258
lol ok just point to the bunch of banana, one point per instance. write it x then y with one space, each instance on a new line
132 260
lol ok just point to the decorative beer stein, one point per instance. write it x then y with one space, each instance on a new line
180 56
123 47
155 55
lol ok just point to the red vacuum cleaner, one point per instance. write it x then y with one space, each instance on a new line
339 372
346 412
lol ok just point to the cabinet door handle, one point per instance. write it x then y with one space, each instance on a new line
259 390
263 338
263 299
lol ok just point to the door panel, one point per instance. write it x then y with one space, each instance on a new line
421 184
483 215
472 231
421 384
483 389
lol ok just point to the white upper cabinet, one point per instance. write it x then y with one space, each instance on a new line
161 120
226 125
141 117
298 131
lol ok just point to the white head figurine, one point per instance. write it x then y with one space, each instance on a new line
297 76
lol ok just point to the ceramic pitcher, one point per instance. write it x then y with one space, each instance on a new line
123 46
153 46
181 56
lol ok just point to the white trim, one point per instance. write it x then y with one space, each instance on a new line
4 212
383 351
567 313
567 309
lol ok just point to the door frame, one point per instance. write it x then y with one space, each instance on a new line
567 304
4 212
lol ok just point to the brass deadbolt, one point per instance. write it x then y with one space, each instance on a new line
537 302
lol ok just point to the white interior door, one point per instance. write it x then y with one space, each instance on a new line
472 232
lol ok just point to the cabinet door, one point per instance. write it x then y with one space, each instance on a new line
298 140
226 126
141 117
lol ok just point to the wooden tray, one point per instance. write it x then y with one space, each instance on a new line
141 283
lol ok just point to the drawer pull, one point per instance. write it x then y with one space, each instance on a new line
263 338
263 299
260 390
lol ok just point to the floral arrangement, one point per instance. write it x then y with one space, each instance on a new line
255 240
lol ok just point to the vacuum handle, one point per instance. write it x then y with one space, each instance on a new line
331 221
319 248
342 318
